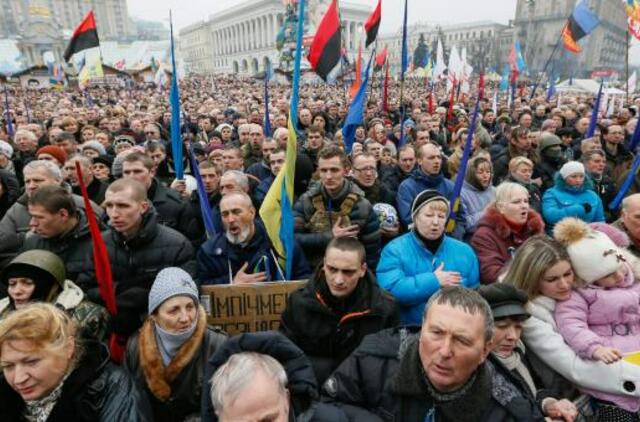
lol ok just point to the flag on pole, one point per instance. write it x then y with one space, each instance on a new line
633 82
355 86
594 114
552 87
372 24
504 80
440 67
466 154
267 118
174 100
85 36
7 112
494 104
102 268
381 58
355 115
205 207
324 53
515 58
92 68
404 58
276 210
481 85
580 24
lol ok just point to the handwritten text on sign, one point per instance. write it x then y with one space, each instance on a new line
247 308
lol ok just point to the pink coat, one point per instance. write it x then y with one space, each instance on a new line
594 317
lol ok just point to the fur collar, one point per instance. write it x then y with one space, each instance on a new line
158 377
493 219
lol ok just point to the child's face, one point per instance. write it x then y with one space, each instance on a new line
614 279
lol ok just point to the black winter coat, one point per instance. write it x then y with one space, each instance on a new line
392 177
186 388
96 391
74 248
328 330
383 381
135 263
96 190
10 191
171 209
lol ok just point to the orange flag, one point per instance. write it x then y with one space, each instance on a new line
356 84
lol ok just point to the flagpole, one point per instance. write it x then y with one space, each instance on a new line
626 63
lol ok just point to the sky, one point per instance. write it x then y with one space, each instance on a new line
186 12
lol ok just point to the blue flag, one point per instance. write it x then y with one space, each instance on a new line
205 208
594 114
627 183
174 100
552 87
519 59
635 139
504 81
355 115
405 49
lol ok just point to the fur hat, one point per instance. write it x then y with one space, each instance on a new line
593 254
571 167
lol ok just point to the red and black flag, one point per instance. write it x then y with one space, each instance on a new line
372 24
580 24
381 58
324 53
84 37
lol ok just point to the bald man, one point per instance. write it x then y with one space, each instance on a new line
629 221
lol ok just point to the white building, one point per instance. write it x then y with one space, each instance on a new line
242 39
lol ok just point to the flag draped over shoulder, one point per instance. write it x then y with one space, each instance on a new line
580 24
277 209
373 23
325 50
84 37
355 115
174 100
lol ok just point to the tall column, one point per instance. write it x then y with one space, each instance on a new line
274 29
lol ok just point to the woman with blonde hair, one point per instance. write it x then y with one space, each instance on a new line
542 268
521 172
49 375
505 225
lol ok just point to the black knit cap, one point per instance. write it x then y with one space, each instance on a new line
505 300
423 198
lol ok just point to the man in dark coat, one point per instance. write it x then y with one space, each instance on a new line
329 317
441 374
392 176
138 247
60 227
95 188
335 207
243 253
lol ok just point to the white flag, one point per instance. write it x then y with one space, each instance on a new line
440 66
494 105
633 79
612 103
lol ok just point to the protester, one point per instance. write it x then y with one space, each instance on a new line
49 374
169 353
595 165
590 319
629 221
477 191
243 253
417 264
413 376
341 303
571 196
520 172
542 269
505 225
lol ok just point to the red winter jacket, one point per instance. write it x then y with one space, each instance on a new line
495 242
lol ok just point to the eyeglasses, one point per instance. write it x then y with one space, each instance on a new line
366 170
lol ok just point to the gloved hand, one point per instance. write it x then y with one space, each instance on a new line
587 207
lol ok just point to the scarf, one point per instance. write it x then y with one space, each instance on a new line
514 363
169 343
39 410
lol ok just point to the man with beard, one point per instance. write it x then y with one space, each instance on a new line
243 253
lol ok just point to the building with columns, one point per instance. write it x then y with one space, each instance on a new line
242 39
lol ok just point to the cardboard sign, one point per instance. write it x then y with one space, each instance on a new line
247 308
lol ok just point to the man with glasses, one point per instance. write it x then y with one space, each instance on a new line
365 173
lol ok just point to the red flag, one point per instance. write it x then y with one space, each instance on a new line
381 57
385 90
431 101
569 41
85 36
481 86
103 269
324 53
356 83
373 23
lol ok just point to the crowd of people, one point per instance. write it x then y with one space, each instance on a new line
521 307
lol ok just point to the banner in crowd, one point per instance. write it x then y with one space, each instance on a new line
247 308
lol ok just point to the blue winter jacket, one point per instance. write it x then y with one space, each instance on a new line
416 183
562 201
406 271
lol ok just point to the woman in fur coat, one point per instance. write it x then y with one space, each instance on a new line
169 353
505 225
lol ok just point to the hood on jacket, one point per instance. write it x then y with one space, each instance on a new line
302 383
496 222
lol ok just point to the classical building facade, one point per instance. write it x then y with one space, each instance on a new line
483 41
242 39
538 25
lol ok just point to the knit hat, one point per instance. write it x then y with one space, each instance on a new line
223 125
104 159
505 300
54 151
94 145
425 197
6 149
571 167
124 138
616 235
170 282
593 254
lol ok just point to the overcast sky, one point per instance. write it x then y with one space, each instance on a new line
186 12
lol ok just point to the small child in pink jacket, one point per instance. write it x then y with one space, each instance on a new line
601 319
